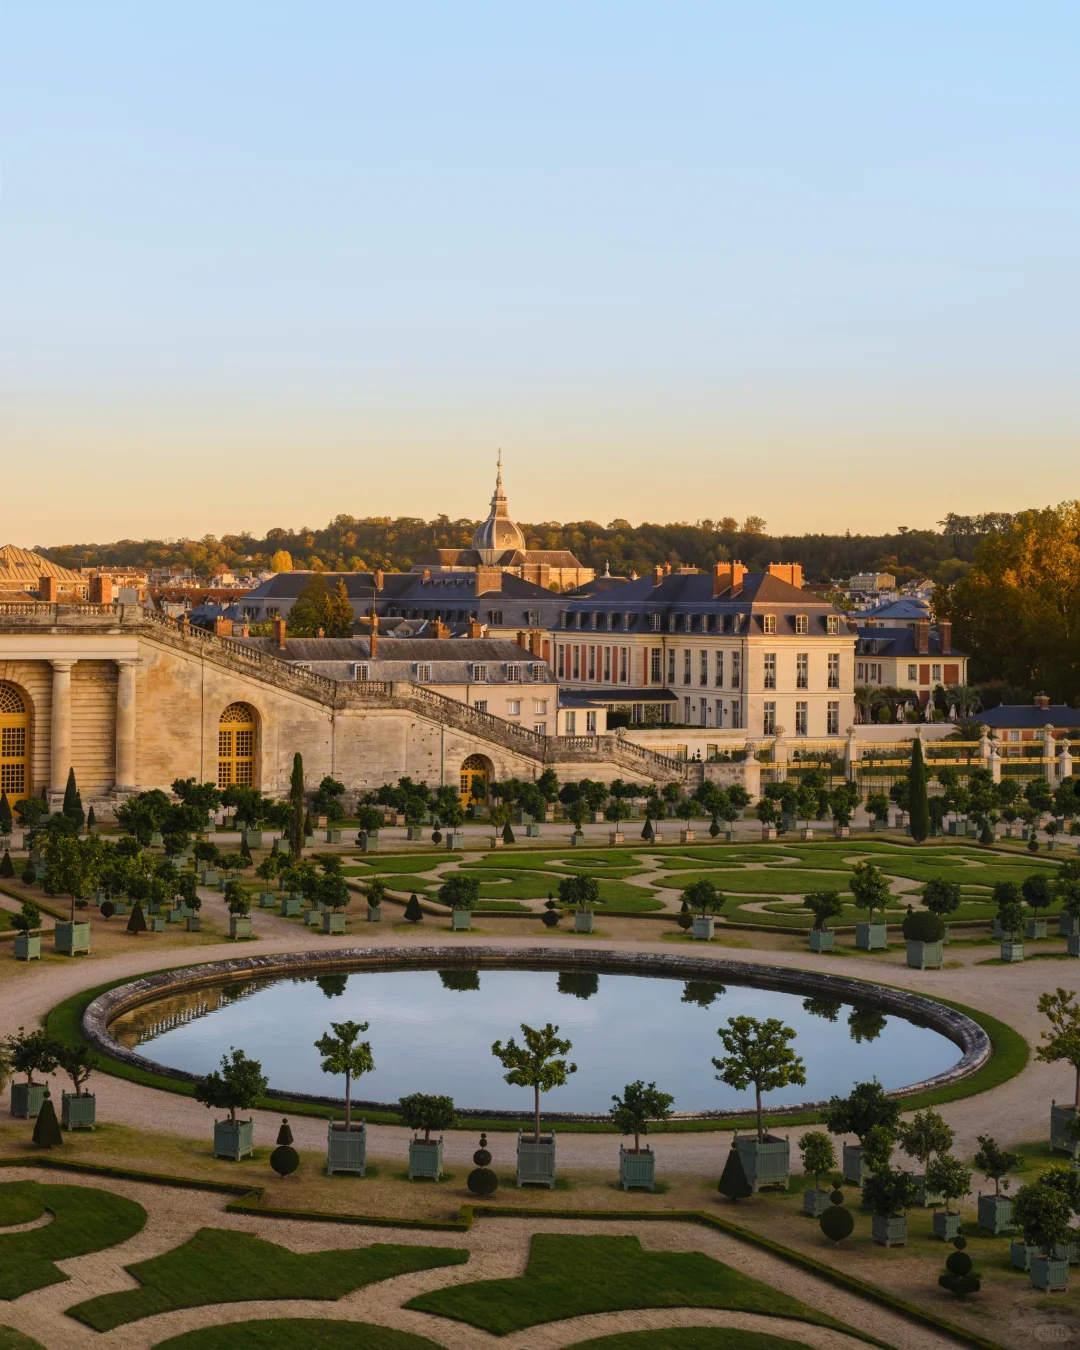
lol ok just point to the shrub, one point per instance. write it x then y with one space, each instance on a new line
919 926
422 1111
837 1222
29 876
959 1278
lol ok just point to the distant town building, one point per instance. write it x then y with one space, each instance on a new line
915 656
872 582
21 572
1026 721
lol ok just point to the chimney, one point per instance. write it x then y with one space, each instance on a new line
427 573
945 633
727 574
667 569
245 630
657 575
522 639
47 590
378 579
922 637
374 634
223 627
277 632
536 642
488 579
439 629
1042 701
789 572
476 628
101 590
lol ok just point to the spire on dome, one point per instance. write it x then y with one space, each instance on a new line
498 533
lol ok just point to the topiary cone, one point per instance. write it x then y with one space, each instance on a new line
733 1182
284 1135
6 868
413 912
46 1127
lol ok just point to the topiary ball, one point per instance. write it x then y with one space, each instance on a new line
1033 845
108 909
959 1242
436 836
959 1263
482 1182
482 1158
550 918
960 1285
685 921
837 1223
836 1196
284 1160
29 877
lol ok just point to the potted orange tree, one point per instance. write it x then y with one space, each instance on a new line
538 1064
236 1086
759 1054
343 1053
424 1111
78 1109
631 1113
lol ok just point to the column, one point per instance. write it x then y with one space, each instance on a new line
125 724
61 725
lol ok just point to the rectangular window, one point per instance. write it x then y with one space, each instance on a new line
540 728
736 669
538 672
654 623
592 663
913 673
860 671
607 665
513 674
704 667
479 674
768 724
802 670
624 665
687 667
802 624
719 670
686 711
768 624
361 671
571 724
423 672
590 723
671 666
495 617
513 707
481 705
576 650
832 625
801 718
656 674
833 719
13 779
770 670
704 709
540 707
935 672
561 662
637 713
736 715
834 670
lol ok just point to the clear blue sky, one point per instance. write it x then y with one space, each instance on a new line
261 263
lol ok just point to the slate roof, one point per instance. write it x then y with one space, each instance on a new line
395 649
907 607
901 642
1025 716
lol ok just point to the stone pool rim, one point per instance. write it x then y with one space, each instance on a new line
954 1025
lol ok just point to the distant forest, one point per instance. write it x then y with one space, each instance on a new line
349 544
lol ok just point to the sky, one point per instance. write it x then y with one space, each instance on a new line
262 263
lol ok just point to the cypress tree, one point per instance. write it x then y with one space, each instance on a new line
413 912
918 803
137 923
5 814
91 819
296 806
73 807
47 1127
6 868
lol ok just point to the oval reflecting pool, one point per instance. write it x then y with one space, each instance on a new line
431 1031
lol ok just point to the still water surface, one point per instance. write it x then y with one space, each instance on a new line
431 1031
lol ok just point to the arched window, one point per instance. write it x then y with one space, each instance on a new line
14 743
236 746
475 778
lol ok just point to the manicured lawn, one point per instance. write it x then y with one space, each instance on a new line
84 1220
405 882
765 881
10 1339
221 1266
314 1334
685 1338
403 862
571 1276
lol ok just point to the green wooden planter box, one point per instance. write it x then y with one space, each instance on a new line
208 877
1035 929
374 913
346 1151
577 839
28 947
1020 1255
78 1113
851 1161
1072 943
173 915
923 1198
333 836
583 920
425 1159
1012 951
1061 1117
313 916
455 839
233 1141
1068 925
368 840
768 832
815 1203
878 825
70 938
637 1170
889 1230
704 926
461 920
822 941
1067 1251
842 831
414 833
279 847
871 937
193 923
946 1226
239 926
532 831
924 955
333 921
616 837
767 1163
536 1161
152 907
292 906
267 900
156 924
120 909
1048 1273
253 838
156 840
221 886
309 841
995 1214
26 1099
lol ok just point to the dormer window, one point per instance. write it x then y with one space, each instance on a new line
602 621
832 625
513 674
495 618
671 622
479 674
361 670
538 672
422 672
802 624
768 624
654 622
626 622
